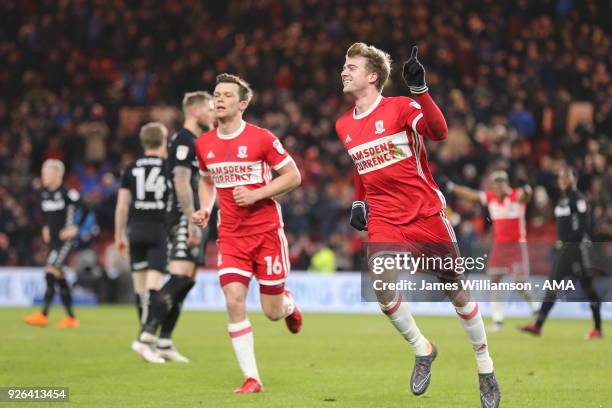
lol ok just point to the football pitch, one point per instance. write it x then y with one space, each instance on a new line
336 361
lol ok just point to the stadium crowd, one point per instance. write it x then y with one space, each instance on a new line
524 86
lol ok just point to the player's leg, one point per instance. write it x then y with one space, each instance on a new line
142 347
186 271
183 274
183 266
241 333
148 258
595 303
520 272
496 275
236 263
561 267
398 312
271 269
586 281
140 294
40 318
51 275
163 300
470 319
499 264
139 265
390 302
154 280
70 321
469 315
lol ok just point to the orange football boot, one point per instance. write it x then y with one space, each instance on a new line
69 323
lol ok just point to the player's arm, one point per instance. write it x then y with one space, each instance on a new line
432 124
184 192
288 179
207 194
74 203
124 198
526 193
46 234
581 228
466 193
359 209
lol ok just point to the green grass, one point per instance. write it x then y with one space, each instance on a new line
337 361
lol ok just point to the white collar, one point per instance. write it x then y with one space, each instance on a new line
233 134
370 109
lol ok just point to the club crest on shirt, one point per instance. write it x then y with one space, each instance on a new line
242 152
380 127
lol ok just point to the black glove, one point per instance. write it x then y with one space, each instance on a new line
445 184
414 74
359 216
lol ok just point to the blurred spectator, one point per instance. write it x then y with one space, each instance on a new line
323 261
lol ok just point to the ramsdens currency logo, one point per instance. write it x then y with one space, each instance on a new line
381 152
232 174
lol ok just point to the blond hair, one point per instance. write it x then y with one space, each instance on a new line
55 164
195 98
245 93
379 61
152 135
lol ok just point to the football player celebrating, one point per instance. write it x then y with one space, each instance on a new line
384 137
236 160
508 253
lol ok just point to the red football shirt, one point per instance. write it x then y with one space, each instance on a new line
389 155
507 214
243 158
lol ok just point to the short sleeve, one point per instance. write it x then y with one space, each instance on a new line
485 197
73 196
275 154
201 164
125 178
182 152
516 194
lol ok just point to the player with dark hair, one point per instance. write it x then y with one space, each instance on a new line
236 160
60 206
187 242
384 137
141 207
573 258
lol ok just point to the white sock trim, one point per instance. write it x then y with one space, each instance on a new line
164 342
467 309
233 327
288 304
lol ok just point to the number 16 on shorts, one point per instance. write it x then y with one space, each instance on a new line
274 267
